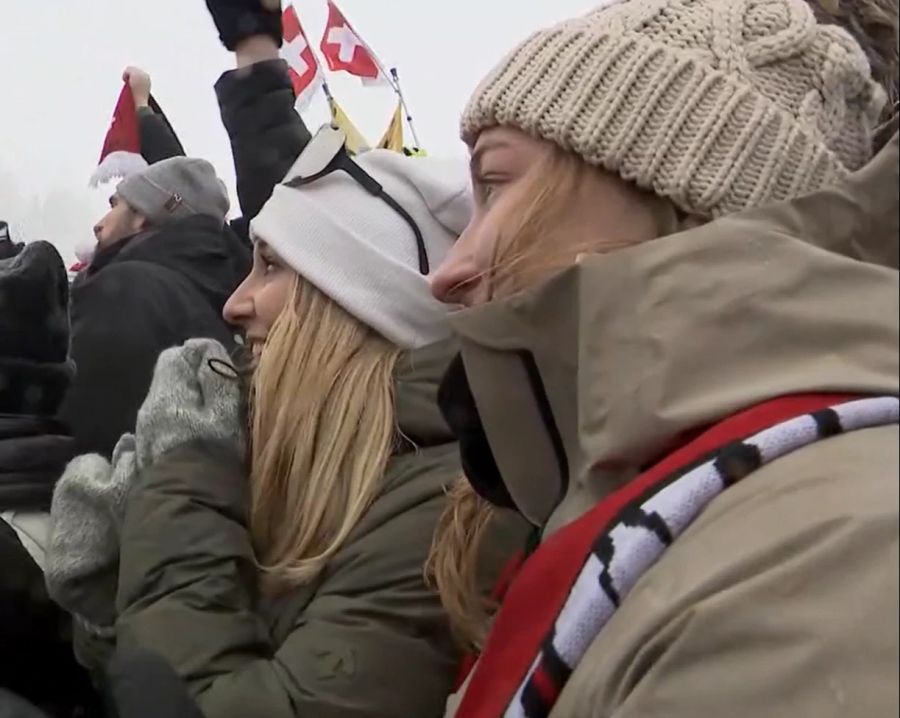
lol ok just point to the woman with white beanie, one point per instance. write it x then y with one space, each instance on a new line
302 591
679 362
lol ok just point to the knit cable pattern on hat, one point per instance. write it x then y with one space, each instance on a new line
719 105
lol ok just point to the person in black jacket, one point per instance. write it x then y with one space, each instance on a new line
36 659
165 265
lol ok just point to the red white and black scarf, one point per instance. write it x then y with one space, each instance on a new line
572 585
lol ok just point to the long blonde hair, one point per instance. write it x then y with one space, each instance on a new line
322 430
531 245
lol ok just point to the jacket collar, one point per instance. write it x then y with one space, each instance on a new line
587 379
417 377
200 249
109 254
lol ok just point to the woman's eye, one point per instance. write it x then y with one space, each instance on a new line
486 190
264 265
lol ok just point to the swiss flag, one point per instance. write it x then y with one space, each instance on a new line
306 75
345 51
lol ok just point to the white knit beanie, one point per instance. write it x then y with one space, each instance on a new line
718 105
361 253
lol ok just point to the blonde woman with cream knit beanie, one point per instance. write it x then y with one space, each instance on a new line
680 286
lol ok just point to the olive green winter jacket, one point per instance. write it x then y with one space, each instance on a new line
365 639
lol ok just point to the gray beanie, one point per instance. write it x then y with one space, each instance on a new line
174 189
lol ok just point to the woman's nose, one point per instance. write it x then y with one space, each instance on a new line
238 310
458 278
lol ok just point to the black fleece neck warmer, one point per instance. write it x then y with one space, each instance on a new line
461 413
33 388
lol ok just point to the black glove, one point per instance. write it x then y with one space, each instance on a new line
132 675
237 20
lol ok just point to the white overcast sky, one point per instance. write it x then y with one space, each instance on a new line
60 64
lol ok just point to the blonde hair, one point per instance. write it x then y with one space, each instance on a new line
322 431
453 562
531 245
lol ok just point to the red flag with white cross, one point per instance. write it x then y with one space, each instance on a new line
345 51
303 67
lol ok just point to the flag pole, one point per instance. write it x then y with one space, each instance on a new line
409 120
326 88
391 77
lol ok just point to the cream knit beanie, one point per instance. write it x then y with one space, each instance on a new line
361 253
718 105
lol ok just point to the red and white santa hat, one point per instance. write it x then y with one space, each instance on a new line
121 154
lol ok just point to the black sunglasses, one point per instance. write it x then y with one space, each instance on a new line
327 152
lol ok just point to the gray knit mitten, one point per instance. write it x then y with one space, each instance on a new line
85 523
194 396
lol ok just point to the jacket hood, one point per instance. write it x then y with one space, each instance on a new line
589 378
203 250
34 452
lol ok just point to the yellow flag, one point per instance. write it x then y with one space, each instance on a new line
393 136
356 143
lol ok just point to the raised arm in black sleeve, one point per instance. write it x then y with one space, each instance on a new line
158 139
266 132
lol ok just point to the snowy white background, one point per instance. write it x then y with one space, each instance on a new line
60 66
